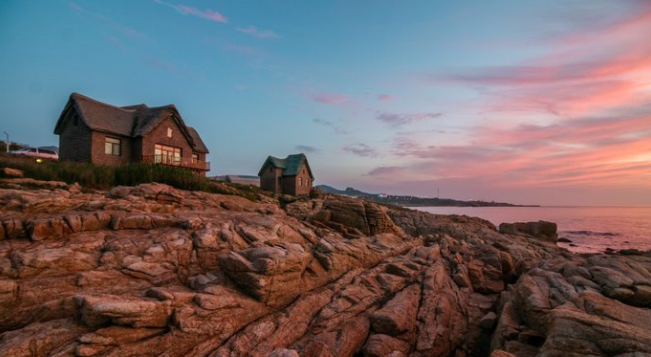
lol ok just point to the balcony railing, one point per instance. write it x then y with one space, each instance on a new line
177 161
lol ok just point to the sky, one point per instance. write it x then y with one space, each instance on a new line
527 101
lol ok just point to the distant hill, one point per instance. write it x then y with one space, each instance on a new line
414 201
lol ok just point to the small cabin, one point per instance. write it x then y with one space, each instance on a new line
290 176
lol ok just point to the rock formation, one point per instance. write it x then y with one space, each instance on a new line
155 271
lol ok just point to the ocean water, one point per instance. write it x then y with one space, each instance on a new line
591 229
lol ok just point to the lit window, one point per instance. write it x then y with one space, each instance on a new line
112 146
195 158
300 181
169 132
307 182
167 155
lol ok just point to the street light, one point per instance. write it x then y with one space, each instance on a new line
7 143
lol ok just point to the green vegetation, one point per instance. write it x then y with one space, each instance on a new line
105 177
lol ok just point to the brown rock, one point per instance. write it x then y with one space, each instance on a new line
501 353
540 229
379 345
9 172
399 314
103 310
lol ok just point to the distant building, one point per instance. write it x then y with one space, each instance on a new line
291 175
103 134
241 179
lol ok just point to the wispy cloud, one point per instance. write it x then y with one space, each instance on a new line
253 31
308 149
578 116
386 171
329 98
361 150
385 97
590 151
586 71
327 123
116 32
207 14
395 119
115 42
76 7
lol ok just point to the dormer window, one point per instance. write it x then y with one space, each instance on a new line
169 132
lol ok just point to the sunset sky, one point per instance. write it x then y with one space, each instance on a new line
527 101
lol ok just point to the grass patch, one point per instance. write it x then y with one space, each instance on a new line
106 177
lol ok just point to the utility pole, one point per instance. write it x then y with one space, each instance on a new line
7 143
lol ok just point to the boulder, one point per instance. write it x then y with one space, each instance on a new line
107 309
541 229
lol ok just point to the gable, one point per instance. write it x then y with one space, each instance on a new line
67 121
97 116
295 163
273 162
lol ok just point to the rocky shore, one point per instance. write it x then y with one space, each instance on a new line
154 271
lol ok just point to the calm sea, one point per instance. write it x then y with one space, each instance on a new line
591 229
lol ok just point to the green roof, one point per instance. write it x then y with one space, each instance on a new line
291 164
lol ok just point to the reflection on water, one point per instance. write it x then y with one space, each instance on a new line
590 229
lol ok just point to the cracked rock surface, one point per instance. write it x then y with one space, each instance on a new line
154 271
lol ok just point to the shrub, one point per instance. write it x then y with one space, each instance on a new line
105 177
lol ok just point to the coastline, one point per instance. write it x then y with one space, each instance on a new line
150 269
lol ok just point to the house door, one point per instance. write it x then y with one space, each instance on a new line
167 155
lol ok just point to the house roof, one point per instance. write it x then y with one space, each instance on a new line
290 165
133 121
198 143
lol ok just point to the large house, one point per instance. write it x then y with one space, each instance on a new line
104 134
291 175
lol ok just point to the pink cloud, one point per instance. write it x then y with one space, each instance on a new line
207 14
385 97
329 98
582 117
204 14
253 31
610 151
588 71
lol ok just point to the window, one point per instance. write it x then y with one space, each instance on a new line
195 158
169 155
307 182
300 181
169 132
112 146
